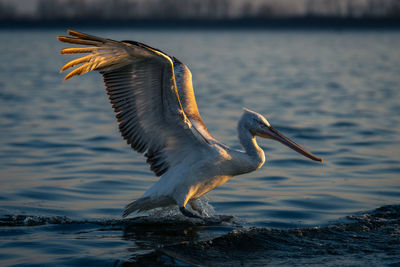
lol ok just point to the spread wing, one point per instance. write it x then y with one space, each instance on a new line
142 88
183 78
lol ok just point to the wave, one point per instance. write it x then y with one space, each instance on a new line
371 238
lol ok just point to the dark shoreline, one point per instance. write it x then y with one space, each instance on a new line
306 23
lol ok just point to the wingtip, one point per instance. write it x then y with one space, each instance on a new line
74 33
69 32
64 39
68 76
61 38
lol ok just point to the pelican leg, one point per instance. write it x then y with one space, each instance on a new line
188 213
194 204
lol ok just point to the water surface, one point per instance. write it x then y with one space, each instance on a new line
66 173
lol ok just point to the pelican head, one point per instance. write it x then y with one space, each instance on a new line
258 125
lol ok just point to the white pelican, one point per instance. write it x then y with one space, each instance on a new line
152 95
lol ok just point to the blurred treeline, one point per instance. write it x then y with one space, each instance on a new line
203 9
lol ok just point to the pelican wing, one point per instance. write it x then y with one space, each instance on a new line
141 86
183 78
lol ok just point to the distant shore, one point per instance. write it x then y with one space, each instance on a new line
332 23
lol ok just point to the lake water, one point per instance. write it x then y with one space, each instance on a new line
66 174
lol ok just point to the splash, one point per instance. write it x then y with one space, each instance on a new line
167 215
205 206
203 203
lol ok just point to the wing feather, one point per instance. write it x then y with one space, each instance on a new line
74 50
184 83
142 89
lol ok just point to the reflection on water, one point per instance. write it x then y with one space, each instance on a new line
335 93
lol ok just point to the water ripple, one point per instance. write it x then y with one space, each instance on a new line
61 152
37 143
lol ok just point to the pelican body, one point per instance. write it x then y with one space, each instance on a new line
152 95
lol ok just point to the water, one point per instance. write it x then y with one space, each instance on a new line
66 173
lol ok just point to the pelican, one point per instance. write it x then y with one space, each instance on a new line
152 96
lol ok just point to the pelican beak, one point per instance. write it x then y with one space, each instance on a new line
275 135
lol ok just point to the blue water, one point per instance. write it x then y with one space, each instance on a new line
66 174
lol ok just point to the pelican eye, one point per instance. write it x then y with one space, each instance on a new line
263 124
